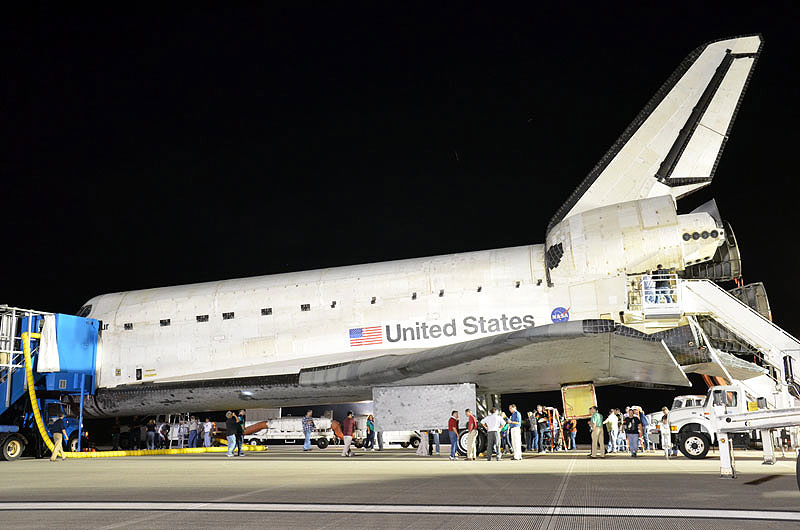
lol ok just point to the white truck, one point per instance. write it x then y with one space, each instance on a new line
290 430
403 438
679 402
694 422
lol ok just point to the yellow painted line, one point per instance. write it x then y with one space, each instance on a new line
156 452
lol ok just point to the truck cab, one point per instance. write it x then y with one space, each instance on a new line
694 428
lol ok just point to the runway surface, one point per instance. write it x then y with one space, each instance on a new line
286 488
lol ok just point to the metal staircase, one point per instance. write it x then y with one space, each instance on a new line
13 384
779 350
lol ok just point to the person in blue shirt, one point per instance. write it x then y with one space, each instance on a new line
59 437
515 426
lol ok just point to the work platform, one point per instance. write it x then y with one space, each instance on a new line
286 488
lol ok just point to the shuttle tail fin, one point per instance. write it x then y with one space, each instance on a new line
672 147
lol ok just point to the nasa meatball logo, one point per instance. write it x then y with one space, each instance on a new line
560 314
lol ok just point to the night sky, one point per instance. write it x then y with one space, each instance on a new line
152 146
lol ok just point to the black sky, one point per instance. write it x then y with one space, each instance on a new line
147 146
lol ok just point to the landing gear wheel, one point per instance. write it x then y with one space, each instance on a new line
12 448
462 443
415 442
322 443
694 445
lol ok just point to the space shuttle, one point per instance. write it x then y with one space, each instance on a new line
587 305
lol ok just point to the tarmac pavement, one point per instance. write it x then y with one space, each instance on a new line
287 488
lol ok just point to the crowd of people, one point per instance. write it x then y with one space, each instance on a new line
541 430
546 430
151 435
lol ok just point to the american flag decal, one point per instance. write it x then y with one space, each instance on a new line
365 336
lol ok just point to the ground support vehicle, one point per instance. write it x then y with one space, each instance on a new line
34 379
762 420
290 430
694 429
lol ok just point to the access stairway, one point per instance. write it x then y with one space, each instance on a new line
780 350
13 387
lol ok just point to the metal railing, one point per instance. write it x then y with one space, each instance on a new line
656 294
12 320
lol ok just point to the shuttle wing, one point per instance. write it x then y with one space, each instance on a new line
672 147
539 358
543 357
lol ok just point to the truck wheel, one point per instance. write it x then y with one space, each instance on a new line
359 444
694 445
12 448
404 445
322 443
415 442
72 445
254 441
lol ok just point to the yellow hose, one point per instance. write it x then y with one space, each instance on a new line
26 350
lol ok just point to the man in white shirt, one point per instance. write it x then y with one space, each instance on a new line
493 424
612 424
207 433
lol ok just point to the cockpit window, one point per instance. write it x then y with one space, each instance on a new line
85 310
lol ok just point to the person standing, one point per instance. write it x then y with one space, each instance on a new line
134 433
493 424
665 432
240 419
348 427
452 431
151 434
542 424
207 433
230 432
612 425
645 426
515 426
193 432
424 446
663 290
308 429
115 435
59 437
633 428
369 442
530 428
571 429
183 433
596 423
435 433
472 434
505 441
